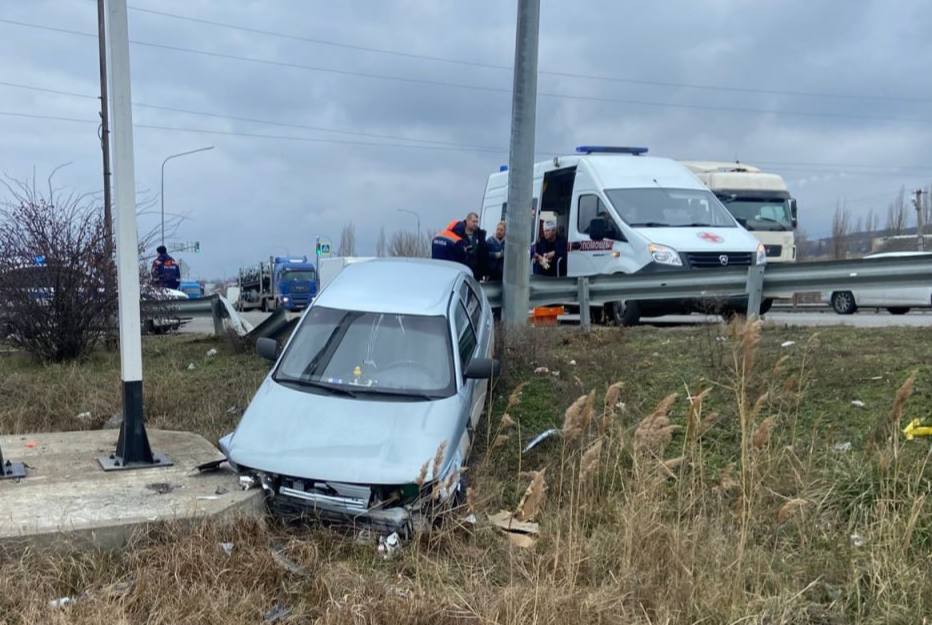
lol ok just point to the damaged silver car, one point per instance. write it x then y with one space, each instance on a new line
391 363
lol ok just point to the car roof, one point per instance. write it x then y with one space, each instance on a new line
409 286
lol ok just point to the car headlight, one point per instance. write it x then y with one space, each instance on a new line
285 299
664 255
761 254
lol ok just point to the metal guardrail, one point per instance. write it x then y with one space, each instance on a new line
756 282
218 308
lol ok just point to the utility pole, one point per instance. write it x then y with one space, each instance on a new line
132 450
518 216
105 140
917 203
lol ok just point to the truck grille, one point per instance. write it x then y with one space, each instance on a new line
710 260
774 250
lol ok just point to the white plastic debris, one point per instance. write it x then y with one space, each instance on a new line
540 438
247 481
61 602
389 545
227 548
841 448
787 343
555 374
541 371
572 363
211 352
84 416
857 403
857 540
191 366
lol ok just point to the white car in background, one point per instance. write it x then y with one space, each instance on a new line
898 300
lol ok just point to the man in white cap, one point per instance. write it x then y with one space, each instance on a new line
550 252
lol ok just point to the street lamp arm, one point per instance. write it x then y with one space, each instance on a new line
162 191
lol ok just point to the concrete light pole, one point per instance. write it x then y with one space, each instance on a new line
518 217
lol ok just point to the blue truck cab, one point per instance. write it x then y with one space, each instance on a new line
295 282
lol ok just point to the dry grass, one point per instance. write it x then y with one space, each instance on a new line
710 509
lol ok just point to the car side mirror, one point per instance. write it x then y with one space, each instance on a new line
793 214
267 348
482 368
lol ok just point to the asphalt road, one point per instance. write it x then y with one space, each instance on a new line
814 317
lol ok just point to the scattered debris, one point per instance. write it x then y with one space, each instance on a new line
84 416
61 602
470 519
877 377
191 366
389 545
540 438
857 540
915 429
555 374
572 363
278 612
522 534
841 447
857 403
161 488
227 548
211 352
248 481
231 410
541 371
286 563
31 444
221 490
787 343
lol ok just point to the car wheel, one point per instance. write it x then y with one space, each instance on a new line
623 313
843 302
898 310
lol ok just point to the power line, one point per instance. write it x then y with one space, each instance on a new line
471 63
440 83
256 120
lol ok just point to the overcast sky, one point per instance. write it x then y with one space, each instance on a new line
834 95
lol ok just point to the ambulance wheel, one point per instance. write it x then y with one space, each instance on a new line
623 313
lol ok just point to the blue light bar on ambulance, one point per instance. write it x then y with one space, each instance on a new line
608 149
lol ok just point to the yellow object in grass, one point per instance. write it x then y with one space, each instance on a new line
915 429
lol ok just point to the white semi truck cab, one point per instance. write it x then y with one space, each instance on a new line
759 201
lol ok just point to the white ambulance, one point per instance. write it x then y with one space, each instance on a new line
623 212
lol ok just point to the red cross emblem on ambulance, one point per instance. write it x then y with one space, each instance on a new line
711 237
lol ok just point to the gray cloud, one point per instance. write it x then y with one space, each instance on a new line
253 196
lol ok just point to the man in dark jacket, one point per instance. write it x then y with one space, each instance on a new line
165 271
463 242
549 253
495 245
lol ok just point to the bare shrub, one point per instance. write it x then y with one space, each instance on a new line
54 270
409 244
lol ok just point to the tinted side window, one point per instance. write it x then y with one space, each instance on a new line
465 335
590 207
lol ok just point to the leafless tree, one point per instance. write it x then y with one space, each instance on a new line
381 245
802 245
54 269
898 214
411 244
871 221
841 227
347 240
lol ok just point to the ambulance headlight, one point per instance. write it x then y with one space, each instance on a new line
664 255
761 254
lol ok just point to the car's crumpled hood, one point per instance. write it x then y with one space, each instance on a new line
341 439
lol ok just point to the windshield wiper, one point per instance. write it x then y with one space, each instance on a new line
331 388
650 224
403 394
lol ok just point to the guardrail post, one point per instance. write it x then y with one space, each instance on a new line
755 289
585 313
216 309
